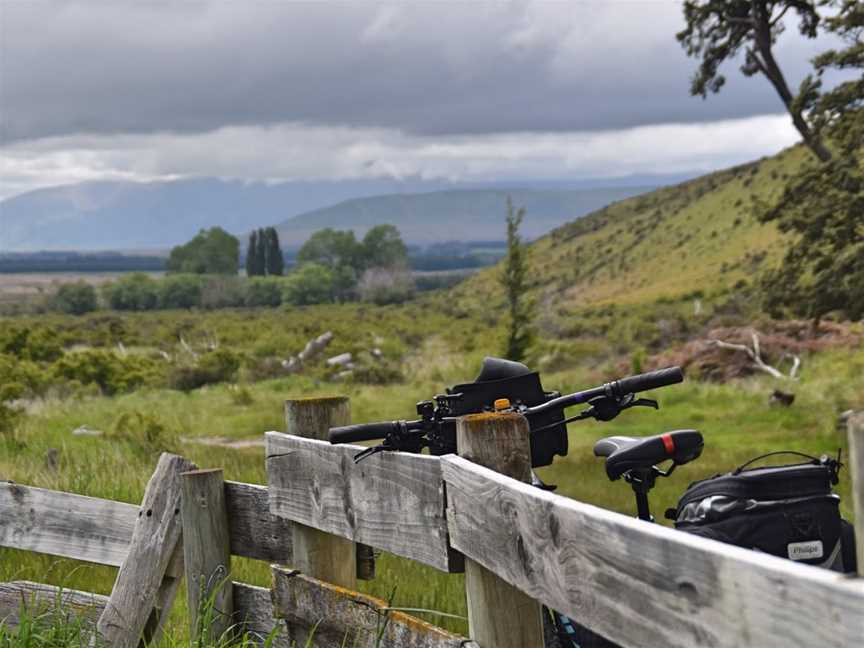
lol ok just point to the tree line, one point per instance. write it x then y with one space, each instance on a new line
332 266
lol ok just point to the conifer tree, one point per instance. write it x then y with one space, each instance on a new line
251 250
515 284
275 261
260 267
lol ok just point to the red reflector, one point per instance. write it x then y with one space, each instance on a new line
668 443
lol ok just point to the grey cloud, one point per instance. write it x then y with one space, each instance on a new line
423 68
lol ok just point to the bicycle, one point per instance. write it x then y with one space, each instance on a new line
511 386
502 381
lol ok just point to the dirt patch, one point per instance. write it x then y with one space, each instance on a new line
779 344
225 442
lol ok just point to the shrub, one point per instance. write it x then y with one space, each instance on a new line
21 378
112 373
180 291
386 286
145 433
37 344
75 298
217 366
311 283
9 417
263 291
135 292
222 292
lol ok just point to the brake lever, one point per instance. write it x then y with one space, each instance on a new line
368 452
644 402
605 408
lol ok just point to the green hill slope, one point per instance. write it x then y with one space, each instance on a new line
696 237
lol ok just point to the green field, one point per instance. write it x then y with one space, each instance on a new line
736 419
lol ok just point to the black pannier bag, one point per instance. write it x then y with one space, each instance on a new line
789 511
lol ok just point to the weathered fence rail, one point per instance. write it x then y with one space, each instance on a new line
394 503
101 531
640 585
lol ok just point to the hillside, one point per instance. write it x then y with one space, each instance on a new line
465 214
696 237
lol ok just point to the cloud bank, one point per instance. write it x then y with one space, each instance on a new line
282 90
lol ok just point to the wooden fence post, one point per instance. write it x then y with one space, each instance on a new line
499 615
145 578
207 551
856 466
318 554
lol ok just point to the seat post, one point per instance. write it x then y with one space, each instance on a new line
642 481
643 511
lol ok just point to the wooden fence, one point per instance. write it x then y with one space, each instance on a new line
641 585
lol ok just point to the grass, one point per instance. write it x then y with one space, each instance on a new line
661 245
736 419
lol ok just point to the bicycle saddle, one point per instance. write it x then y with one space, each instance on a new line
626 453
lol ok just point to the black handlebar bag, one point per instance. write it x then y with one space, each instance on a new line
514 381
789 511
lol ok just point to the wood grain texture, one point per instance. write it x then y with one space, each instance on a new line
165 598
391 501
255 533
499 614
36 598
643 585
206 551
154 540
312 418
856 468
316 552
337 613
65 524
254 609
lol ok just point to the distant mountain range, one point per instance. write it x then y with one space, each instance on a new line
465 214
157 215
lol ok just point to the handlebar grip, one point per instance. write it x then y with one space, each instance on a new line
646 381
362 432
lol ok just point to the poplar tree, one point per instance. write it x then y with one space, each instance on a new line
260 266
251 251
275 260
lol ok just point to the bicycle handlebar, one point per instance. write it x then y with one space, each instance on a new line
647 381
616 388
362 432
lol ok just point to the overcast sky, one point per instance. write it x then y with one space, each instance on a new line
283 90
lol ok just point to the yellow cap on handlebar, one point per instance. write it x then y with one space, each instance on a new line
501 404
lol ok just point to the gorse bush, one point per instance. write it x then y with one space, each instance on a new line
111 372
214 367
27 344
